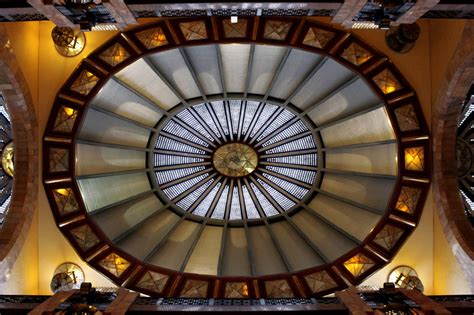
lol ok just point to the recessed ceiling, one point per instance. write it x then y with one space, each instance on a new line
237 160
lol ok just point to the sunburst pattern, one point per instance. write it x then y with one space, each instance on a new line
7 165
236 155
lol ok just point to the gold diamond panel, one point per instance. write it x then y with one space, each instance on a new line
320 281
194 30
153 281
278 289
114 264
58 160
236 290
415 159
408 199
114 55
235 30
235 159
152 38
195 289
358 264
317 37
65 119
406 118
388 236
355 54
65 200
276 30
85 237
387 82
84 83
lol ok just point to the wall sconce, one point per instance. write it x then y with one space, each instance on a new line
67 41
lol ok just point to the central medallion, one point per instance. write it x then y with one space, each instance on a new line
235 159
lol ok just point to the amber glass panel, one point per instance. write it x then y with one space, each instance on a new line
114 55
194 30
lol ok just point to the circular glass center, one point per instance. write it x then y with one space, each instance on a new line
235 159
8 158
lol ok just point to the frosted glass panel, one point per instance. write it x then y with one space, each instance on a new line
265 62
236 260
380 159
120 100
299 254
369 191
142 78
370 127
235 59
173 252
142 241
344 215
205 257
106 159
100 127
267 259
103 191
121 218
204 62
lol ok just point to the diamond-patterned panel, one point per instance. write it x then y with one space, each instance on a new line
320 281
387 82
276 30
388 236
65 200
114 264
317 37
194 30
408 199
406 118
358 264
415 159
65 120
114 55
278 289
153 281
85 237
84 83
195 289
152 38
355 54
58 160
236 290
235 30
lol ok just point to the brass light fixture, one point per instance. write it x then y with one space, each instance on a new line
67 41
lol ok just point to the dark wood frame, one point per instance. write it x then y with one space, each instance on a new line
174 36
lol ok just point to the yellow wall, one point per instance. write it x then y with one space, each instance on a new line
46 71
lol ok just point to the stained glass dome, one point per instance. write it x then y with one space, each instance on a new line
287 160
260 162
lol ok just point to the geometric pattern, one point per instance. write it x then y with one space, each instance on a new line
235 30
278 289
406 118
65 200
358 264
276 30
195 289
356 54
85 237
320 281
152 37
318 37
235 290
415 159
194 30
58 160
65 119
114 264
387 82
408 199
388 236
153 281
114 55
84 83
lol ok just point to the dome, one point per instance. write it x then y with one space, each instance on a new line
285 161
